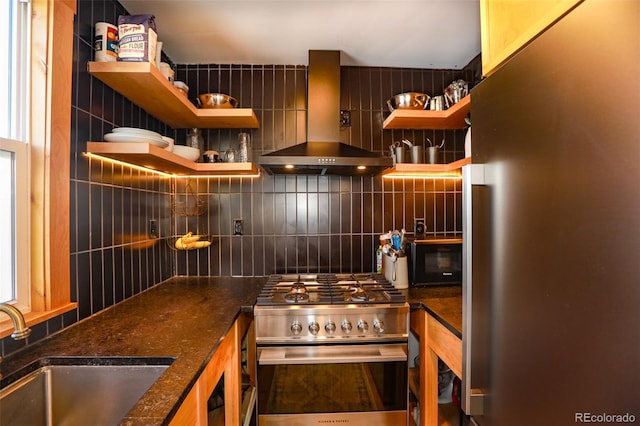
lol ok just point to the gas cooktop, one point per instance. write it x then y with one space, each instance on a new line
329 289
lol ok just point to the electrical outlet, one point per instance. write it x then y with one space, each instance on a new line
419 229
237 227
345 118
153 229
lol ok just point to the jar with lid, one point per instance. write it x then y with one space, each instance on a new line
195 140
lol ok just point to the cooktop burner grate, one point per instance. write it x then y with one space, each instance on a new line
331 289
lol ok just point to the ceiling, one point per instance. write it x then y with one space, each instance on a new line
431 34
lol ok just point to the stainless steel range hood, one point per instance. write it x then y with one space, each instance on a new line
324 154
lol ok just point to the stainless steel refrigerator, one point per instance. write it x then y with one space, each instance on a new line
551 293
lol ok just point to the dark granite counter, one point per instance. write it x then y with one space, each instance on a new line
442 302
184 318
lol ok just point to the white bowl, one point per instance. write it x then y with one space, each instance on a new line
192 154
136 130
183 88
168 140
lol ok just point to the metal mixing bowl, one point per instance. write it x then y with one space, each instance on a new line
216 100
409 100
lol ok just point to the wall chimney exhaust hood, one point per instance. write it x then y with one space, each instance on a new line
323 153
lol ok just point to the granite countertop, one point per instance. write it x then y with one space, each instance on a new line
184 318
443 302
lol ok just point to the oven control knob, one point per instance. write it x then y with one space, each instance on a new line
378 326
296 327
330 327
314 327
346 326
363 326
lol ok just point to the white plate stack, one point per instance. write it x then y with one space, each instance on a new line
135 135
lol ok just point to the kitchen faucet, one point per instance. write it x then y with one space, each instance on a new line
21 331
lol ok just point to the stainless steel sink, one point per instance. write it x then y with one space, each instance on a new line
77 394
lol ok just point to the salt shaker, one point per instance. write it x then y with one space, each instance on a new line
244 147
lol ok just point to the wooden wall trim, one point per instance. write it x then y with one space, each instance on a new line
52 64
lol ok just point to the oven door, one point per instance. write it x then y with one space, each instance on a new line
323 384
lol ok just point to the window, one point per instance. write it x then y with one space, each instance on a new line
35 154
14 224
15 41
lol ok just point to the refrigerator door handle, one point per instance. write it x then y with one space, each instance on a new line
473 397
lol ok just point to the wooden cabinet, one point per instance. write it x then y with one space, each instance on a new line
436 341
226 361
507 25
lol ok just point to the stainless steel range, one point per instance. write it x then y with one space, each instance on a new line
331 348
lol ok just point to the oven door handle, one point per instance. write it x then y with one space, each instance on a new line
331 354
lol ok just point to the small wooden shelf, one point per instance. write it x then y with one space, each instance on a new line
144 85
153 157
452 118
409 170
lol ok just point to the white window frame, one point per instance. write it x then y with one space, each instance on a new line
21 236
18 76
49 135
16 113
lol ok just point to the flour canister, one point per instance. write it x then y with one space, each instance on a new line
105 42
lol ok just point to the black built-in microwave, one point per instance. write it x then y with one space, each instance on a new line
435 262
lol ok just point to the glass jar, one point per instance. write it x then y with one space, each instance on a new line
195 140
244 148
230 155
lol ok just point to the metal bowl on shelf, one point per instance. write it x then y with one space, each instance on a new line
409 100
216 100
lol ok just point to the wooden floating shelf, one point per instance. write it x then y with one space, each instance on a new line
452 118
144 85
153 157
409 170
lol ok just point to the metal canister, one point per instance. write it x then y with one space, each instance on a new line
417 155
435 104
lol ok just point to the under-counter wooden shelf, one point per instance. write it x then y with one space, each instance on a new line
144 85
452 118
409 170
153 157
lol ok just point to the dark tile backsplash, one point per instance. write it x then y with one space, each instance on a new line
291 223
112 257
313 223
